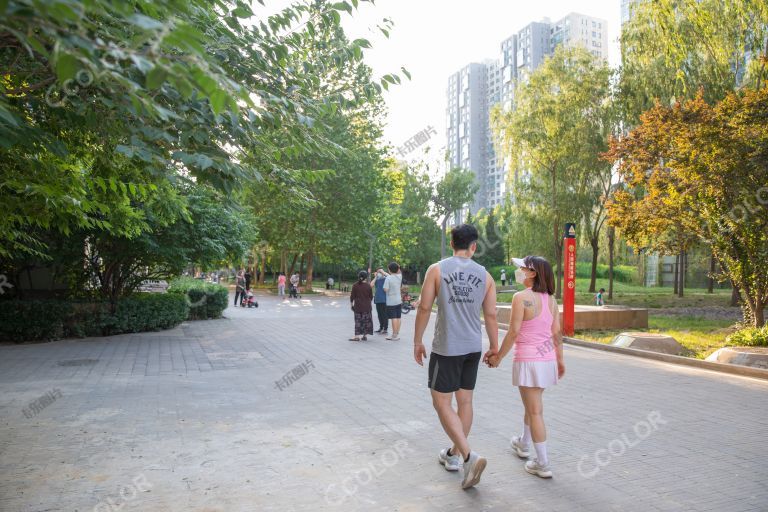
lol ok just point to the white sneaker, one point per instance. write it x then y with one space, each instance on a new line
393 338
534 468
473 469
451 462
519 448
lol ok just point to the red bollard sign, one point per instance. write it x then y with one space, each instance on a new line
569 275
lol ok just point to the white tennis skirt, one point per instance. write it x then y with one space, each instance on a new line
534 374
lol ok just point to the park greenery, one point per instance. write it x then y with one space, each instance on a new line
665 155
139 139
142 139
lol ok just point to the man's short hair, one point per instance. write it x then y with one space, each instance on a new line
393 267
463 236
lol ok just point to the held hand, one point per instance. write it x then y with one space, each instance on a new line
494 361
419 353
491 352
560 369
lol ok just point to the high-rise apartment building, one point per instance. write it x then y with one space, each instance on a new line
466 125
534 43
478 87
580 30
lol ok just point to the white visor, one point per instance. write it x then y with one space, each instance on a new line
520 262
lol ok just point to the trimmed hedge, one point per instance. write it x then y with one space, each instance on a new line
621 273
749 337
205 300
41 320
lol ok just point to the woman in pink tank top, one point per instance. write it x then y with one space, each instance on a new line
534 333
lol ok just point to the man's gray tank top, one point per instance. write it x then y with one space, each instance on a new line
459 302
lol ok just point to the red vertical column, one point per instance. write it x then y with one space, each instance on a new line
569 290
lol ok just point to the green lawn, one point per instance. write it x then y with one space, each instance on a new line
639 296
699 336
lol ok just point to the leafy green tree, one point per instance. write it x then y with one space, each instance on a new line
554 137
699 170
405 228
452 193
491 247
673 48
333 200
179 88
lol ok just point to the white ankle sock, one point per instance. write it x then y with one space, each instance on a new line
541 453
526 437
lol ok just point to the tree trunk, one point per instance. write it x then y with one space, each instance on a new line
594 243
683 265
255 256
759 315
293 264
557 239
263 265
442 237
735 295
283 261
677 273
611 239
711 287
310 268
301 266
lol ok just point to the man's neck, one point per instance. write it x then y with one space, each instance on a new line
462 254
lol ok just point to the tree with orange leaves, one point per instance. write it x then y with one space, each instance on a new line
697 171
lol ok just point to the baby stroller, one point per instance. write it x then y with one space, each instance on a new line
408 300
293 292
249 300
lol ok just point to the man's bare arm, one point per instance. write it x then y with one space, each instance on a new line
489 313
428 296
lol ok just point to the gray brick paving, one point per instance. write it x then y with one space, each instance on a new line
191 419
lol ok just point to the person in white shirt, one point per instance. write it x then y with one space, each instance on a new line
392 285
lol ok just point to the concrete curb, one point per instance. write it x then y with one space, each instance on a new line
733 369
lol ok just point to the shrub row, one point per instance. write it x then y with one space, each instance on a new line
621 273
205 300
40 320
749 337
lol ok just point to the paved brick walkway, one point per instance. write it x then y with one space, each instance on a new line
192 420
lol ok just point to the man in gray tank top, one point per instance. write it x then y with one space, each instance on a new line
463 290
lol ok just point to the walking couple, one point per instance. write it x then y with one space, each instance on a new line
463 289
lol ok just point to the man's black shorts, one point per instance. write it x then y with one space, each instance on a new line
450 373
394 311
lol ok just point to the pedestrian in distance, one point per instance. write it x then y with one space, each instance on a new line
295 280
380 299
599 297
281 285
535 334
463 289
503 277
392 285
239 287
360 298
